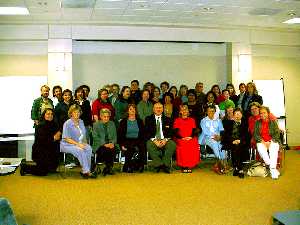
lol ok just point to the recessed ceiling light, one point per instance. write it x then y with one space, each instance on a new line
14 11
293 21
208 8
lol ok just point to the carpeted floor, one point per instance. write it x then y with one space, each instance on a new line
202 198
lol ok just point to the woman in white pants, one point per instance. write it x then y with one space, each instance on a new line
267 136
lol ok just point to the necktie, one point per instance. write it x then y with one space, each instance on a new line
158 134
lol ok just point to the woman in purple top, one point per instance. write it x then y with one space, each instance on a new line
74 141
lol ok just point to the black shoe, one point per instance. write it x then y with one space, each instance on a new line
141 170
166 169
107 171
22 168
129 170
235 172
93 175
157 169
241 174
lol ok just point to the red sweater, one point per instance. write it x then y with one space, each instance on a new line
98 105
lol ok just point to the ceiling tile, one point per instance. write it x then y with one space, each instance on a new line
111 4
76 14
107 12
12 3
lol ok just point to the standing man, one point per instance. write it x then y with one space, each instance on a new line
115 94
40 104
57 95
199 93
160 145
135 91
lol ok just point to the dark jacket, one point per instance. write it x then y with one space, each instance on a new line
45 150
99 134
61 113
254 98
227 137
150 125
122 130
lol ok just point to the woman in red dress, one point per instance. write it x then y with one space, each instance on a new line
186 138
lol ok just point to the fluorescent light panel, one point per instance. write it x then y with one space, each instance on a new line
14 11
293 21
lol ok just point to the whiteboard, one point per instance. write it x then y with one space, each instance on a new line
18 93
272 92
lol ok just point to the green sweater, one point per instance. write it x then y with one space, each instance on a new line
38 106
144 109
99 135
226 104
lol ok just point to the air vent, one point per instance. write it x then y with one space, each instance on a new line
78 3
264 12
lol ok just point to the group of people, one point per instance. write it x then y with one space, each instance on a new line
154 122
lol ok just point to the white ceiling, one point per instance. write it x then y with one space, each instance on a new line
201 13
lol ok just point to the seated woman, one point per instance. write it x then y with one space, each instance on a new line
254 110
104 140
211 136
131 138
74 141
187 147
45 150
267 137
235 139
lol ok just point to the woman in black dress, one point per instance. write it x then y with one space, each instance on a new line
45 150
131 138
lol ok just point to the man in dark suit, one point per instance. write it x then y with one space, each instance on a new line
159 144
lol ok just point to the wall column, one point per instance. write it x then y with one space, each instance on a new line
239 63
60 63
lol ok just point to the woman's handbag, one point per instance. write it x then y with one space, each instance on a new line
257 170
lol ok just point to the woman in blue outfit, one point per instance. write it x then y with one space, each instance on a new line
74 141
212 129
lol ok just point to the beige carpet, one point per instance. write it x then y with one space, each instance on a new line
149 198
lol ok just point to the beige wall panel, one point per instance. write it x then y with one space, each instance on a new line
23 65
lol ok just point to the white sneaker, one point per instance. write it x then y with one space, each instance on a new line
70 165
274 173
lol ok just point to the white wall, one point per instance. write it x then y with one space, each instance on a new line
100 63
